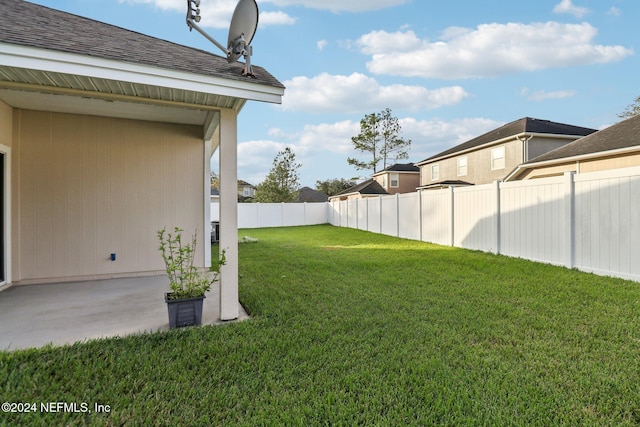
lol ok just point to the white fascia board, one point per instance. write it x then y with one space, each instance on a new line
89 66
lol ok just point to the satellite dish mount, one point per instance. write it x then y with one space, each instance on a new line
241 31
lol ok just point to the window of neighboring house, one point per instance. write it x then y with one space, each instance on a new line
497 158
435 172
462 166
247 192
394 179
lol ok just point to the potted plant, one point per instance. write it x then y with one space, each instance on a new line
187 282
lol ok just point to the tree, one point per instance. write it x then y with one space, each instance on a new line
282 182
331 187
380 136
214 180
631 110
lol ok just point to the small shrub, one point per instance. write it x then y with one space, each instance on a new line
185 279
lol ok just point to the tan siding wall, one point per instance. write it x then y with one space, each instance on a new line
584 166
6 124
89 186
548 171
408 183
478 165
614 162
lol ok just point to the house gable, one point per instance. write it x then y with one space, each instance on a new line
399 178
617 146
494 155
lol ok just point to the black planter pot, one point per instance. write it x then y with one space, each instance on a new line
184 312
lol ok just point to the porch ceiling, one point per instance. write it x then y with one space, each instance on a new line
68 93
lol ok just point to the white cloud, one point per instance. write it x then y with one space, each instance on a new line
488 50
542 95
340 5
566 6
430 137
332 137
275 18
323 148
614 11
217 13
224 8
357 92
255 159
321 44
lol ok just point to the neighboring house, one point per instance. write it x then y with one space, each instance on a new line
368 188
106 135
215 195
309 195
246 190
615 147
399 178
497 153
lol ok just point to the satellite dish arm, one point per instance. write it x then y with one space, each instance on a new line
192 25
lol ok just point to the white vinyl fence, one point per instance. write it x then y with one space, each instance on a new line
589 221
258 215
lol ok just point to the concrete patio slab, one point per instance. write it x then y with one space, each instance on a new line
64 313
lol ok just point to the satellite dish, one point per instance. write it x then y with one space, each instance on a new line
241 31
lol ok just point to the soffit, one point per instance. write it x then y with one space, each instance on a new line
55 91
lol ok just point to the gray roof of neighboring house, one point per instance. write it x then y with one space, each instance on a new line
401 167
624 134
370 186
308 194
27 24
520 126
447 183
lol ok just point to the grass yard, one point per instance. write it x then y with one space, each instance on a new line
353 328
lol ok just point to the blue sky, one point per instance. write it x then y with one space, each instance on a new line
449 71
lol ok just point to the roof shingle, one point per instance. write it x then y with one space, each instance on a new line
27 24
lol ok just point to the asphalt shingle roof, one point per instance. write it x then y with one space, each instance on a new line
402 167
621 135
369 186
27 24
523 125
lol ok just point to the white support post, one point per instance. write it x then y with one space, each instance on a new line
380 212
367 212
497 213
397 214
452 215
229 299
206 233
568 224
420 213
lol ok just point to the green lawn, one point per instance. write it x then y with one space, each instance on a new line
353 328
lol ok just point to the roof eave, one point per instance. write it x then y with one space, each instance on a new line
68 63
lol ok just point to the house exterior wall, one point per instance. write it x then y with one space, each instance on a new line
611 162
478 165
85 187
538 146
555 170
407 182
6 124
584 166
